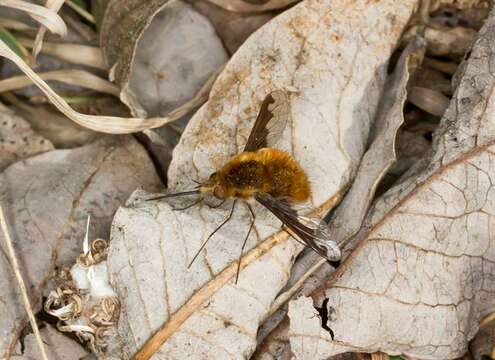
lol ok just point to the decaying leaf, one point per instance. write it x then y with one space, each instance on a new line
160 52
59 347
17 138
347 219
232 27
422 277
46 212
483 345
446 41
55 127
333 56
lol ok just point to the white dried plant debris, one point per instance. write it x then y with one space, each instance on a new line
17 138
57 345
46 198
175 56
333 54
421 279
84 301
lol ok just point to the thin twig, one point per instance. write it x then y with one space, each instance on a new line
22 285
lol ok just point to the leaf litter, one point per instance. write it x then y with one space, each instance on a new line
450 28
191 305
422 275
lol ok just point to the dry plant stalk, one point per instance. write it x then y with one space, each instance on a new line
53 5
22 285
72 76
72 53
48 18
107 124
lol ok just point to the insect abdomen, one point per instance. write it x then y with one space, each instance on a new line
267 170
287 178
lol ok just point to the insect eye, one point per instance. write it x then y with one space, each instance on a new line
219 192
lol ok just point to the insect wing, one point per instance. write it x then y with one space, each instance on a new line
271 121
314 232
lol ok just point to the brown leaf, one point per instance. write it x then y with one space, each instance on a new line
421 278
17 138
47 199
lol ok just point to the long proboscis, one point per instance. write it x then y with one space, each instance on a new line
184 193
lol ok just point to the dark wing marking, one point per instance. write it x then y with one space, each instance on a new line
314 232
271 121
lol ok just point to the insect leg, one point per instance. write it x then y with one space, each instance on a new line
253 218
213 233
188 206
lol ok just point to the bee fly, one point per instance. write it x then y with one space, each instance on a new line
271 177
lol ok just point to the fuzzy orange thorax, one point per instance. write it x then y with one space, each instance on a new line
267 170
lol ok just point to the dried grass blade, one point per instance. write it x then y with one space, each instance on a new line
72 53
46 17
53 5
72 76
16 25
106 124
82 12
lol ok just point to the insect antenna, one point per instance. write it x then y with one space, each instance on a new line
213 233
184 193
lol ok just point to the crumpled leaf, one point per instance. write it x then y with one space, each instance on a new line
347 219
47 211
17 138
160 52
422 277
338 73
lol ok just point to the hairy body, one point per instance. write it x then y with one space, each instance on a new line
267 170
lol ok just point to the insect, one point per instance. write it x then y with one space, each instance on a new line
269 176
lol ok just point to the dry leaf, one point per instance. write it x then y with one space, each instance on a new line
55 127
422 277
232 27
247 7
160 53
47 211
449 42
58 346
483 345
17 138
347 219
317 48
